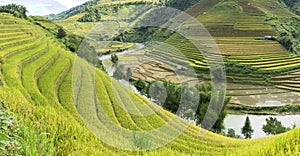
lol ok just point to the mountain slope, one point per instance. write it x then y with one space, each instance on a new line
239 28
38 79
84 8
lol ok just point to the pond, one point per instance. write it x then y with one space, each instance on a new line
236 122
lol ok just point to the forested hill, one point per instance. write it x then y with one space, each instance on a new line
93 4
294 5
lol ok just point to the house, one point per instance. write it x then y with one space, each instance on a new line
269 38
180 68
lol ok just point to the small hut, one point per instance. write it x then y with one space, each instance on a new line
269 38
180 68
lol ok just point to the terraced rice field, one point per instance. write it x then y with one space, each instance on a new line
238 28
110 23
40 89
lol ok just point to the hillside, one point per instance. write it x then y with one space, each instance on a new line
38 86
85 8
256 67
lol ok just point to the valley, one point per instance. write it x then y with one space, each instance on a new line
64 79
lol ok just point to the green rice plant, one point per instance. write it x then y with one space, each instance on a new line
48 82
11 68
141 142
28 74
19 48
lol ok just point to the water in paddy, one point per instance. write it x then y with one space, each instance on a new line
236 122
261 96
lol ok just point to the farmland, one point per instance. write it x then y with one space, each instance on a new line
67 105
38 88
238 28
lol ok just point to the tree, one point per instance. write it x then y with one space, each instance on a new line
17 10
140 85
100 65
128 73
182 100
114 58
273 126
215 112
22 9
89 53
247 130
157 91
93 15
231 133
118 74
61 33
173 97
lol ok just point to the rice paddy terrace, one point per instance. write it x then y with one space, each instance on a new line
37 77
239 28
127 13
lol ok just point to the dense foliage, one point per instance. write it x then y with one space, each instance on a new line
286 109
291 5
157 17
273 126
171 96
180 4
235 67
17 10
231 133
290 35
72 42
144 34
92 15
61 33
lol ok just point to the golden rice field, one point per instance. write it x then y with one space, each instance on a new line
38 86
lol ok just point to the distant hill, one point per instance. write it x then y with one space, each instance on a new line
294 5
84 8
